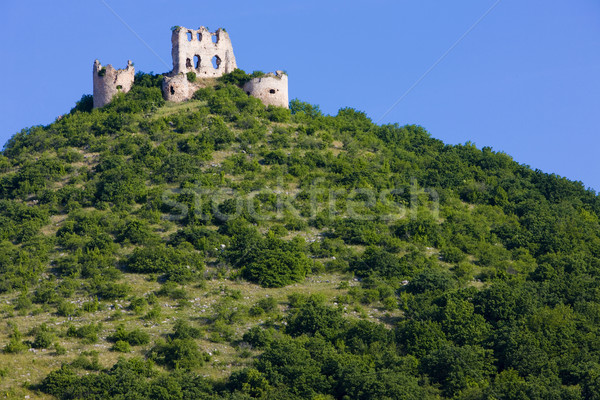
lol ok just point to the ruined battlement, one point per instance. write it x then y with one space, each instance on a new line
204 53
109 81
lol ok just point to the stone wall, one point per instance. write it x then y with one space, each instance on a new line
271 89
178 88
109 81
197 50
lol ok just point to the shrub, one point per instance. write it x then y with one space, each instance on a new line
60 383
183 330
87 332
15 345
43 339
65 309
270 262
430 280
85 104
59 350
178 353
312 316
191 76
179 264
153 314
278 114
135 337
121 346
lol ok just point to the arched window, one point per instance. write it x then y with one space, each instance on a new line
196 61
216 61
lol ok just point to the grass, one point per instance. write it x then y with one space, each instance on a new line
31 366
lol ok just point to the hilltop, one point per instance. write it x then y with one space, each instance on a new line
218 248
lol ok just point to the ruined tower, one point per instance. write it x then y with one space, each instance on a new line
271 89
208 54
109 81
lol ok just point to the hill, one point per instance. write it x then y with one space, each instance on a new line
218 249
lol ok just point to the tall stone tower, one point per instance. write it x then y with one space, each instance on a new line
109 81
207 54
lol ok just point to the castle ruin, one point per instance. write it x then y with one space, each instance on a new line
271 89
201 52
109 81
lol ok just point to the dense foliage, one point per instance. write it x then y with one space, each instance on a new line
491 269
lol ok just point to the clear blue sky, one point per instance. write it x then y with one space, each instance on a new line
525 80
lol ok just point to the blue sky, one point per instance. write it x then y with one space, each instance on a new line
525 80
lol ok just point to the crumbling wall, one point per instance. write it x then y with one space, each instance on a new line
178 88
208 54
271 89
109 81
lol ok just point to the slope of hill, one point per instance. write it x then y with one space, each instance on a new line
218 249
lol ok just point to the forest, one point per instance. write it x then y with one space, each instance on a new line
218 249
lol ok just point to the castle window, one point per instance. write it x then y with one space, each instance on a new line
272 91
197 61
119 87
190 36
188 63
248 93
216 61
199 37
172 90
215 38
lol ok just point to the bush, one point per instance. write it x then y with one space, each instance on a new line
87 332
311 316
135 337
430 280
191 76
183 330
121 346
85 104
270 262
179 265
43 338
178 353
59 350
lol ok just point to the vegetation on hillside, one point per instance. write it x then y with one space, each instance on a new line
458 272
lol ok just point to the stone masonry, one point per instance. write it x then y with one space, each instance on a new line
204 53
109 81
271 89
209 55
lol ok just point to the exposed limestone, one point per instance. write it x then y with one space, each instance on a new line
109 81
271 89
208 54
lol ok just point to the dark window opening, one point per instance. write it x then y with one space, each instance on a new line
272 91
248 93
190 36
199 36
215 38
119 87
188 63
172 90
197 61
216 61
